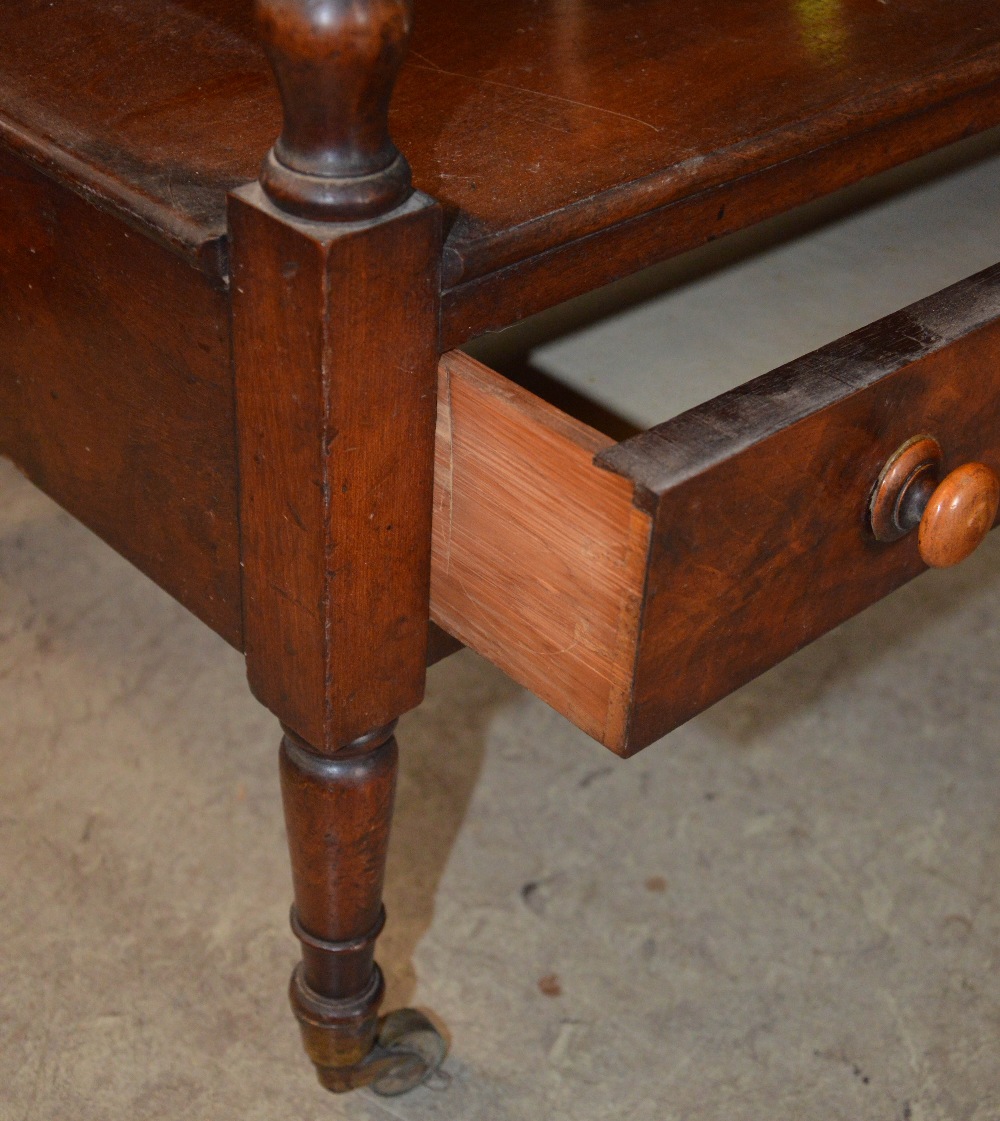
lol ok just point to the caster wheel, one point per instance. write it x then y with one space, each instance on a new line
416 1047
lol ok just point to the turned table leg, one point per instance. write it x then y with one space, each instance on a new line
335 288
338 810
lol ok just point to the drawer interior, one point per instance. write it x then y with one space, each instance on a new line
672 337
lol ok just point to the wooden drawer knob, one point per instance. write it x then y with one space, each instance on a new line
959 513
952 515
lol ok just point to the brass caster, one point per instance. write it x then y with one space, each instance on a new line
350 1048
415 1049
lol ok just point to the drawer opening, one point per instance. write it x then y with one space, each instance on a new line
671 337
632 563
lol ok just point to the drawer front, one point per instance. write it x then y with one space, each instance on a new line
747 533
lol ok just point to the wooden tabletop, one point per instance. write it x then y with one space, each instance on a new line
536 122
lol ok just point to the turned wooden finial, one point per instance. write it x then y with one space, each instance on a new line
336 63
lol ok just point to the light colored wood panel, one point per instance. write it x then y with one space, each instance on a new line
538 555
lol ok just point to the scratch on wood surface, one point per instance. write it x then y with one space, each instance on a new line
426 64
292 599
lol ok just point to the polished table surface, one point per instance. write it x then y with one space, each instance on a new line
516 115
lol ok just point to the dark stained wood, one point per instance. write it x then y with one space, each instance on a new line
337 812
761 497
535 124
335 63
116 394
335 349
571 116
335 313
912 469
569 141
500 298
440 644
150 109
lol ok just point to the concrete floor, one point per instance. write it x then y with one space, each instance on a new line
787 910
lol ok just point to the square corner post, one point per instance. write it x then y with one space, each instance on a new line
335 303
335 348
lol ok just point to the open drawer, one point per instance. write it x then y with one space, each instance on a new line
632 585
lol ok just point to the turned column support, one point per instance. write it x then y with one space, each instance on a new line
335 62
338 810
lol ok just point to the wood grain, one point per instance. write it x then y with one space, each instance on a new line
760 498
338 811
604 254
535 125
335 349
538 556
747 532
116 391
335 65
959 514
